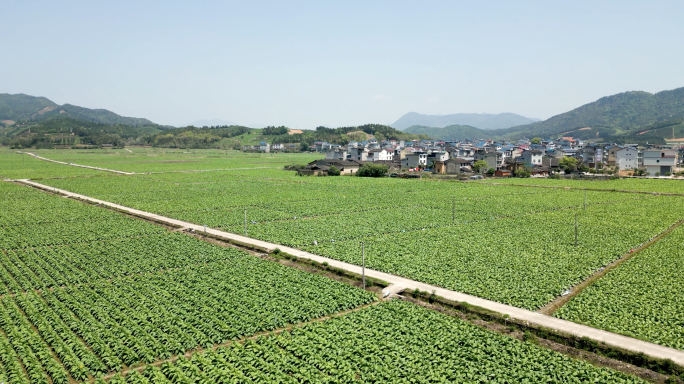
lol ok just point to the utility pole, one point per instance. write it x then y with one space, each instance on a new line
575 228
363 265
585 199
453 209
245 222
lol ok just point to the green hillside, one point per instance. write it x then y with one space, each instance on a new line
635 117
617 114
73 132
22 107
24 110
452 132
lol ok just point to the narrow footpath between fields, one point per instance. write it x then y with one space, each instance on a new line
533 318
76 165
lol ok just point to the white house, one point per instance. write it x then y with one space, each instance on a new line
264 147
380 155
660 160
277 146
627 158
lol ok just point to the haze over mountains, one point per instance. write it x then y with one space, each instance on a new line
634 116
621 117
479 120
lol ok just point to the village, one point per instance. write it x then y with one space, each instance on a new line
566 156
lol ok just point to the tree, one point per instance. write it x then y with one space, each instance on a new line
480 165
333 171
536 140
568 163
491 171
372 170
304 147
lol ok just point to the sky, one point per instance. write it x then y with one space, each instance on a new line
305 64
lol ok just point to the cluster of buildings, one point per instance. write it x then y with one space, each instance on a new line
542 158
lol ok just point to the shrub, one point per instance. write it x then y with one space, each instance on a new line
657 173
333 171
372 170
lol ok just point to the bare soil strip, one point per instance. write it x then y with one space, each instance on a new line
560 301
519 314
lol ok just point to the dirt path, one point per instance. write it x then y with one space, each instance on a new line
531 317
77 165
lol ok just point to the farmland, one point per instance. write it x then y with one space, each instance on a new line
639 185
641 298
90 294
510 244
392 342
93 292
144 160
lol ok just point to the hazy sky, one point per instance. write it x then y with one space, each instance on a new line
305 64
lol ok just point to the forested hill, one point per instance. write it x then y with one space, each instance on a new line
23 109
634 117
73 132
616 114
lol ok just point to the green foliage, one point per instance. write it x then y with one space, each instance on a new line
270 130
372 170
480 165
640 298
536 140
333 171
489 249
568 163
491 171
385 343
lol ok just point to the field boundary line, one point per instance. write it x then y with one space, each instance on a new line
589 189
524 315
560 301
76 165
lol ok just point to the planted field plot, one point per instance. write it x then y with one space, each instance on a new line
510 244
638 185
143 160
392 342
31 218
641 298
87 300
18 166
105 326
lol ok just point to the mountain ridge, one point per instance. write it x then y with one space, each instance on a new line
26 108
478 120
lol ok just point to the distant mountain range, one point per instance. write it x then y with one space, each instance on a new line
211 123
479 120
219 123
625 117
25 108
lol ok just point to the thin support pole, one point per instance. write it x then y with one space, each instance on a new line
585 199
453 209
363 265
245 222
575 228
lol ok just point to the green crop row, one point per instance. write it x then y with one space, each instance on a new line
393 342
641 298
